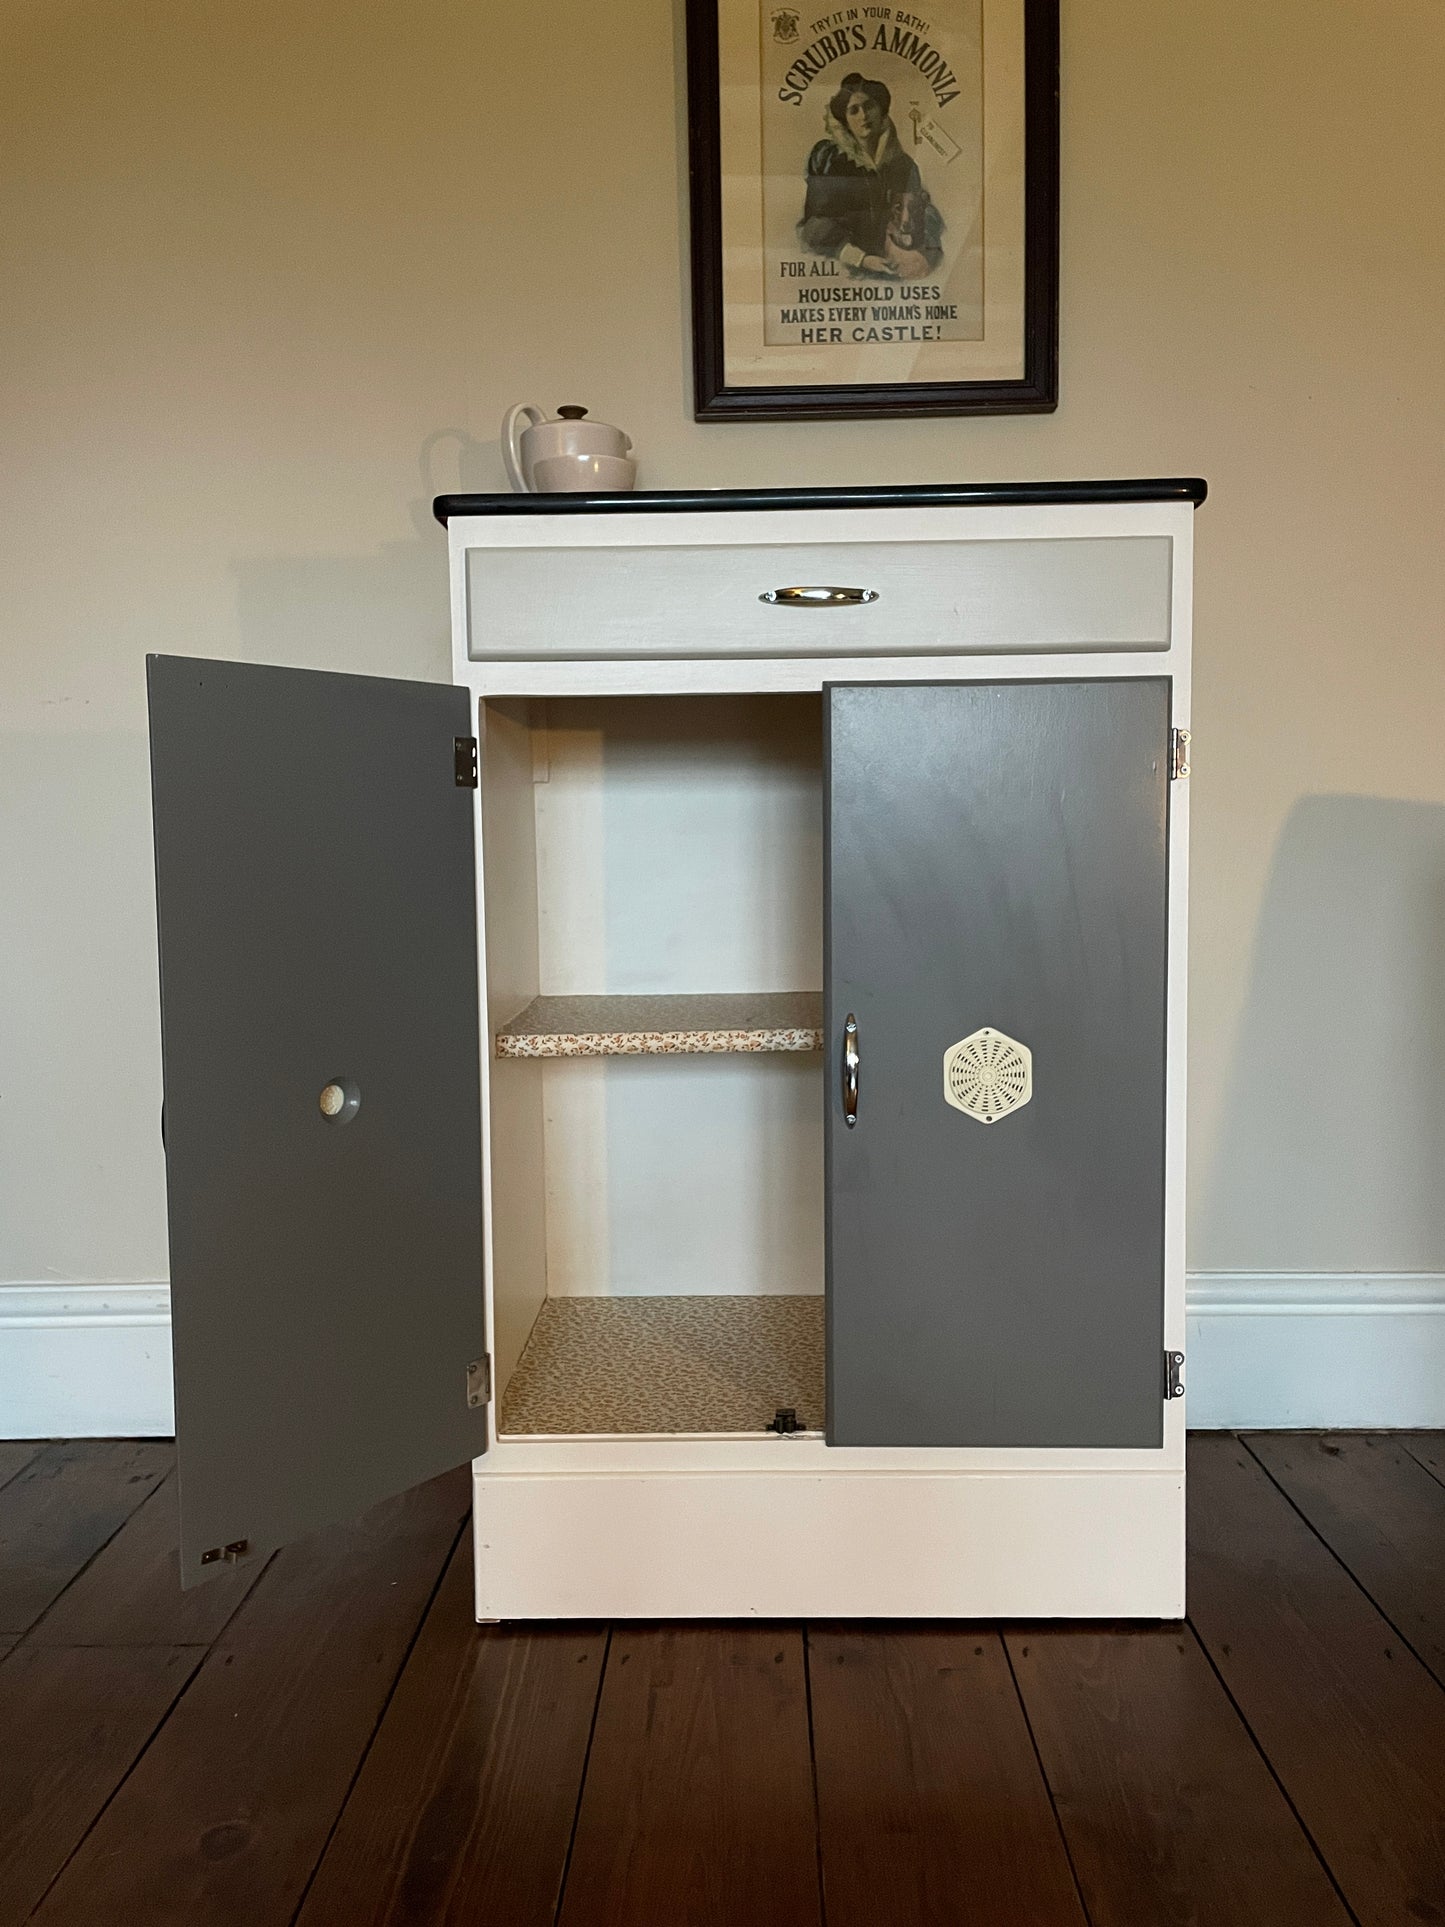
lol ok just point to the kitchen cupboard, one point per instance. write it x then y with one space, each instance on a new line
717 1065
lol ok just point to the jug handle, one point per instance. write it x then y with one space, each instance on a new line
511 443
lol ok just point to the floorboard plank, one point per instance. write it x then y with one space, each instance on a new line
130 1593
1352 1722
15 1455
226 1814
464 1810
73 1722
931 1806
697 1810
58 1512
1381 1514
1427 1449
1170 1814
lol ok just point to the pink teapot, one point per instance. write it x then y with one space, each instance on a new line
566 454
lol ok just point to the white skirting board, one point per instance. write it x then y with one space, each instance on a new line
85 1361
1284 1350
1267 1349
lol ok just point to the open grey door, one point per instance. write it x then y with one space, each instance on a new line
316 892
996 934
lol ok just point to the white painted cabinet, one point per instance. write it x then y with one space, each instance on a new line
755 1128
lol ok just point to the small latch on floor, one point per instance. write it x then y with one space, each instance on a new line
784 1422
237 1550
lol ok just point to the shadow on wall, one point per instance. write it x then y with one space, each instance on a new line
382 614
1332 1144
81 1194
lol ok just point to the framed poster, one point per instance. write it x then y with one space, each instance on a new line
874 207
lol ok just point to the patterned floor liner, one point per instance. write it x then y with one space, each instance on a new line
630 1365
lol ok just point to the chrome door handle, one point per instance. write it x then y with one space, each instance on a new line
850 1072
819 596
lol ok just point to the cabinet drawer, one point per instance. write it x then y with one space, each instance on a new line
949 596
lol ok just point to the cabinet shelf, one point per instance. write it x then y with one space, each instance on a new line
790 1020
604 1366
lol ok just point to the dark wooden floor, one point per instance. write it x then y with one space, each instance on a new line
332 1741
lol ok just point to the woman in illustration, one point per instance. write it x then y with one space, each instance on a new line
866 205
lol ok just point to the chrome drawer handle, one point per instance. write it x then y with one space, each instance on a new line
850 1072
820 596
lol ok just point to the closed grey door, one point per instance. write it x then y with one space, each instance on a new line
315 884
996 928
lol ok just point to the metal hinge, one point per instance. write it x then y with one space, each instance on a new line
479 1381
1178 754
466 762
238 1549
1173 1375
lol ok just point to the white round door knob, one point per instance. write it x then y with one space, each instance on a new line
339 1101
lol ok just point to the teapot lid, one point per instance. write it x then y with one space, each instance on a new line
571 413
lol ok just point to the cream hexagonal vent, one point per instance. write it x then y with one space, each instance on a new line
988 1075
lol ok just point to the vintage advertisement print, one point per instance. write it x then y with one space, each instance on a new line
872 189
874 194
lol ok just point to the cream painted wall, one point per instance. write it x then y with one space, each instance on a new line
271 273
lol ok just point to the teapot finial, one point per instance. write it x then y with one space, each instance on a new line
571 413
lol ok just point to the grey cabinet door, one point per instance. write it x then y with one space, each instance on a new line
997 863
316 893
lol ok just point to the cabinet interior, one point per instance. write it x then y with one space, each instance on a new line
653 881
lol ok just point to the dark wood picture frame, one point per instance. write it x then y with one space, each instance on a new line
1035 393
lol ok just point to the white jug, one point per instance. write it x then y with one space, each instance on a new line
577 454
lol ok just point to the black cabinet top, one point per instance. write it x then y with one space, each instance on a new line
921 495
